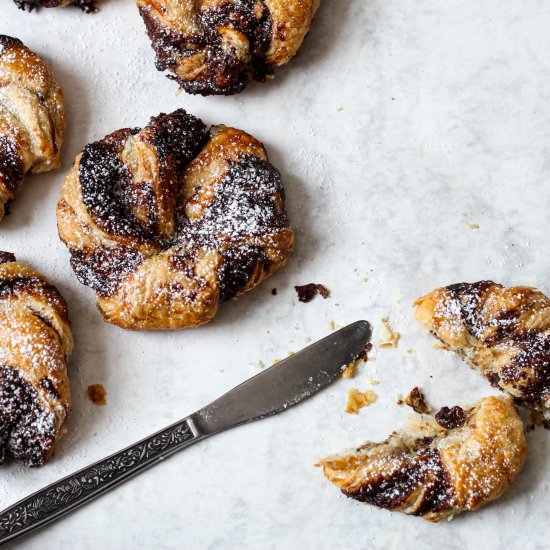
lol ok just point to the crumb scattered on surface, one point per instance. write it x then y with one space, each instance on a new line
349 371
339 109
307 339
258 364
331 325
359 399
275 361
440 345
473 225
389 338
306 293
274 291
400 401
417 401
374 382
409 350
97 394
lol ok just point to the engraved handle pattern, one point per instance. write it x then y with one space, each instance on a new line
67 494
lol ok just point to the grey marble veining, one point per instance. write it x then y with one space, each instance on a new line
400 125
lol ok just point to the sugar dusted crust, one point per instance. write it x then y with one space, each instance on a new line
35 342
32 117
218 46
166 222
504 332
426 470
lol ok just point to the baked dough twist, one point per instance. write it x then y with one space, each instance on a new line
167 221
434 472
31 117
218 46
87 6
504 332
35 343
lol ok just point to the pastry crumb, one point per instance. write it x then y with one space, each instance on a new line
440 345
359 399
339 109
473 225
374 382
258 364
274 291
389 338
306 293
349 371
275 361
97 394
409 350
417 401
331 325
400 401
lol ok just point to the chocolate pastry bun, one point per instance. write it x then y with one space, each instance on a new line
219 46
35 343
436 472
87 6
504 332
166 222
31 117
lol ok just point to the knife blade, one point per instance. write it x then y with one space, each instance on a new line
270 392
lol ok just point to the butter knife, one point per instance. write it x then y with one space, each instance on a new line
270 392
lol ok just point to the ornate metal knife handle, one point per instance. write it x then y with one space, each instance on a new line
72 491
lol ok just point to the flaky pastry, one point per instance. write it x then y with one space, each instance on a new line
166 222
434 472
35 343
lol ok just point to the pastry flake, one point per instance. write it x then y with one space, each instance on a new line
436 473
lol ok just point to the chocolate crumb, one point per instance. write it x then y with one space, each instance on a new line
417 401
274 291
451 418
306 293
97 394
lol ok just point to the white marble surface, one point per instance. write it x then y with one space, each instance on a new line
399 124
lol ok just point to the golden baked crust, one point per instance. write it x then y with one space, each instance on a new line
434 472
31 117
87 6
218 46
168 221
504 332
35 343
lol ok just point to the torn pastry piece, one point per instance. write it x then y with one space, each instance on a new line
426 470
504 332
35 343
219 46
87 6
168 221
32 117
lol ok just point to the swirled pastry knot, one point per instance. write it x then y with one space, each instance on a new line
166 222
35 343
218 46
504 332
31 117
87 6
434 472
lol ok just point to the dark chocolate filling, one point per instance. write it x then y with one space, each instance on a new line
27 432
421 471
87 6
